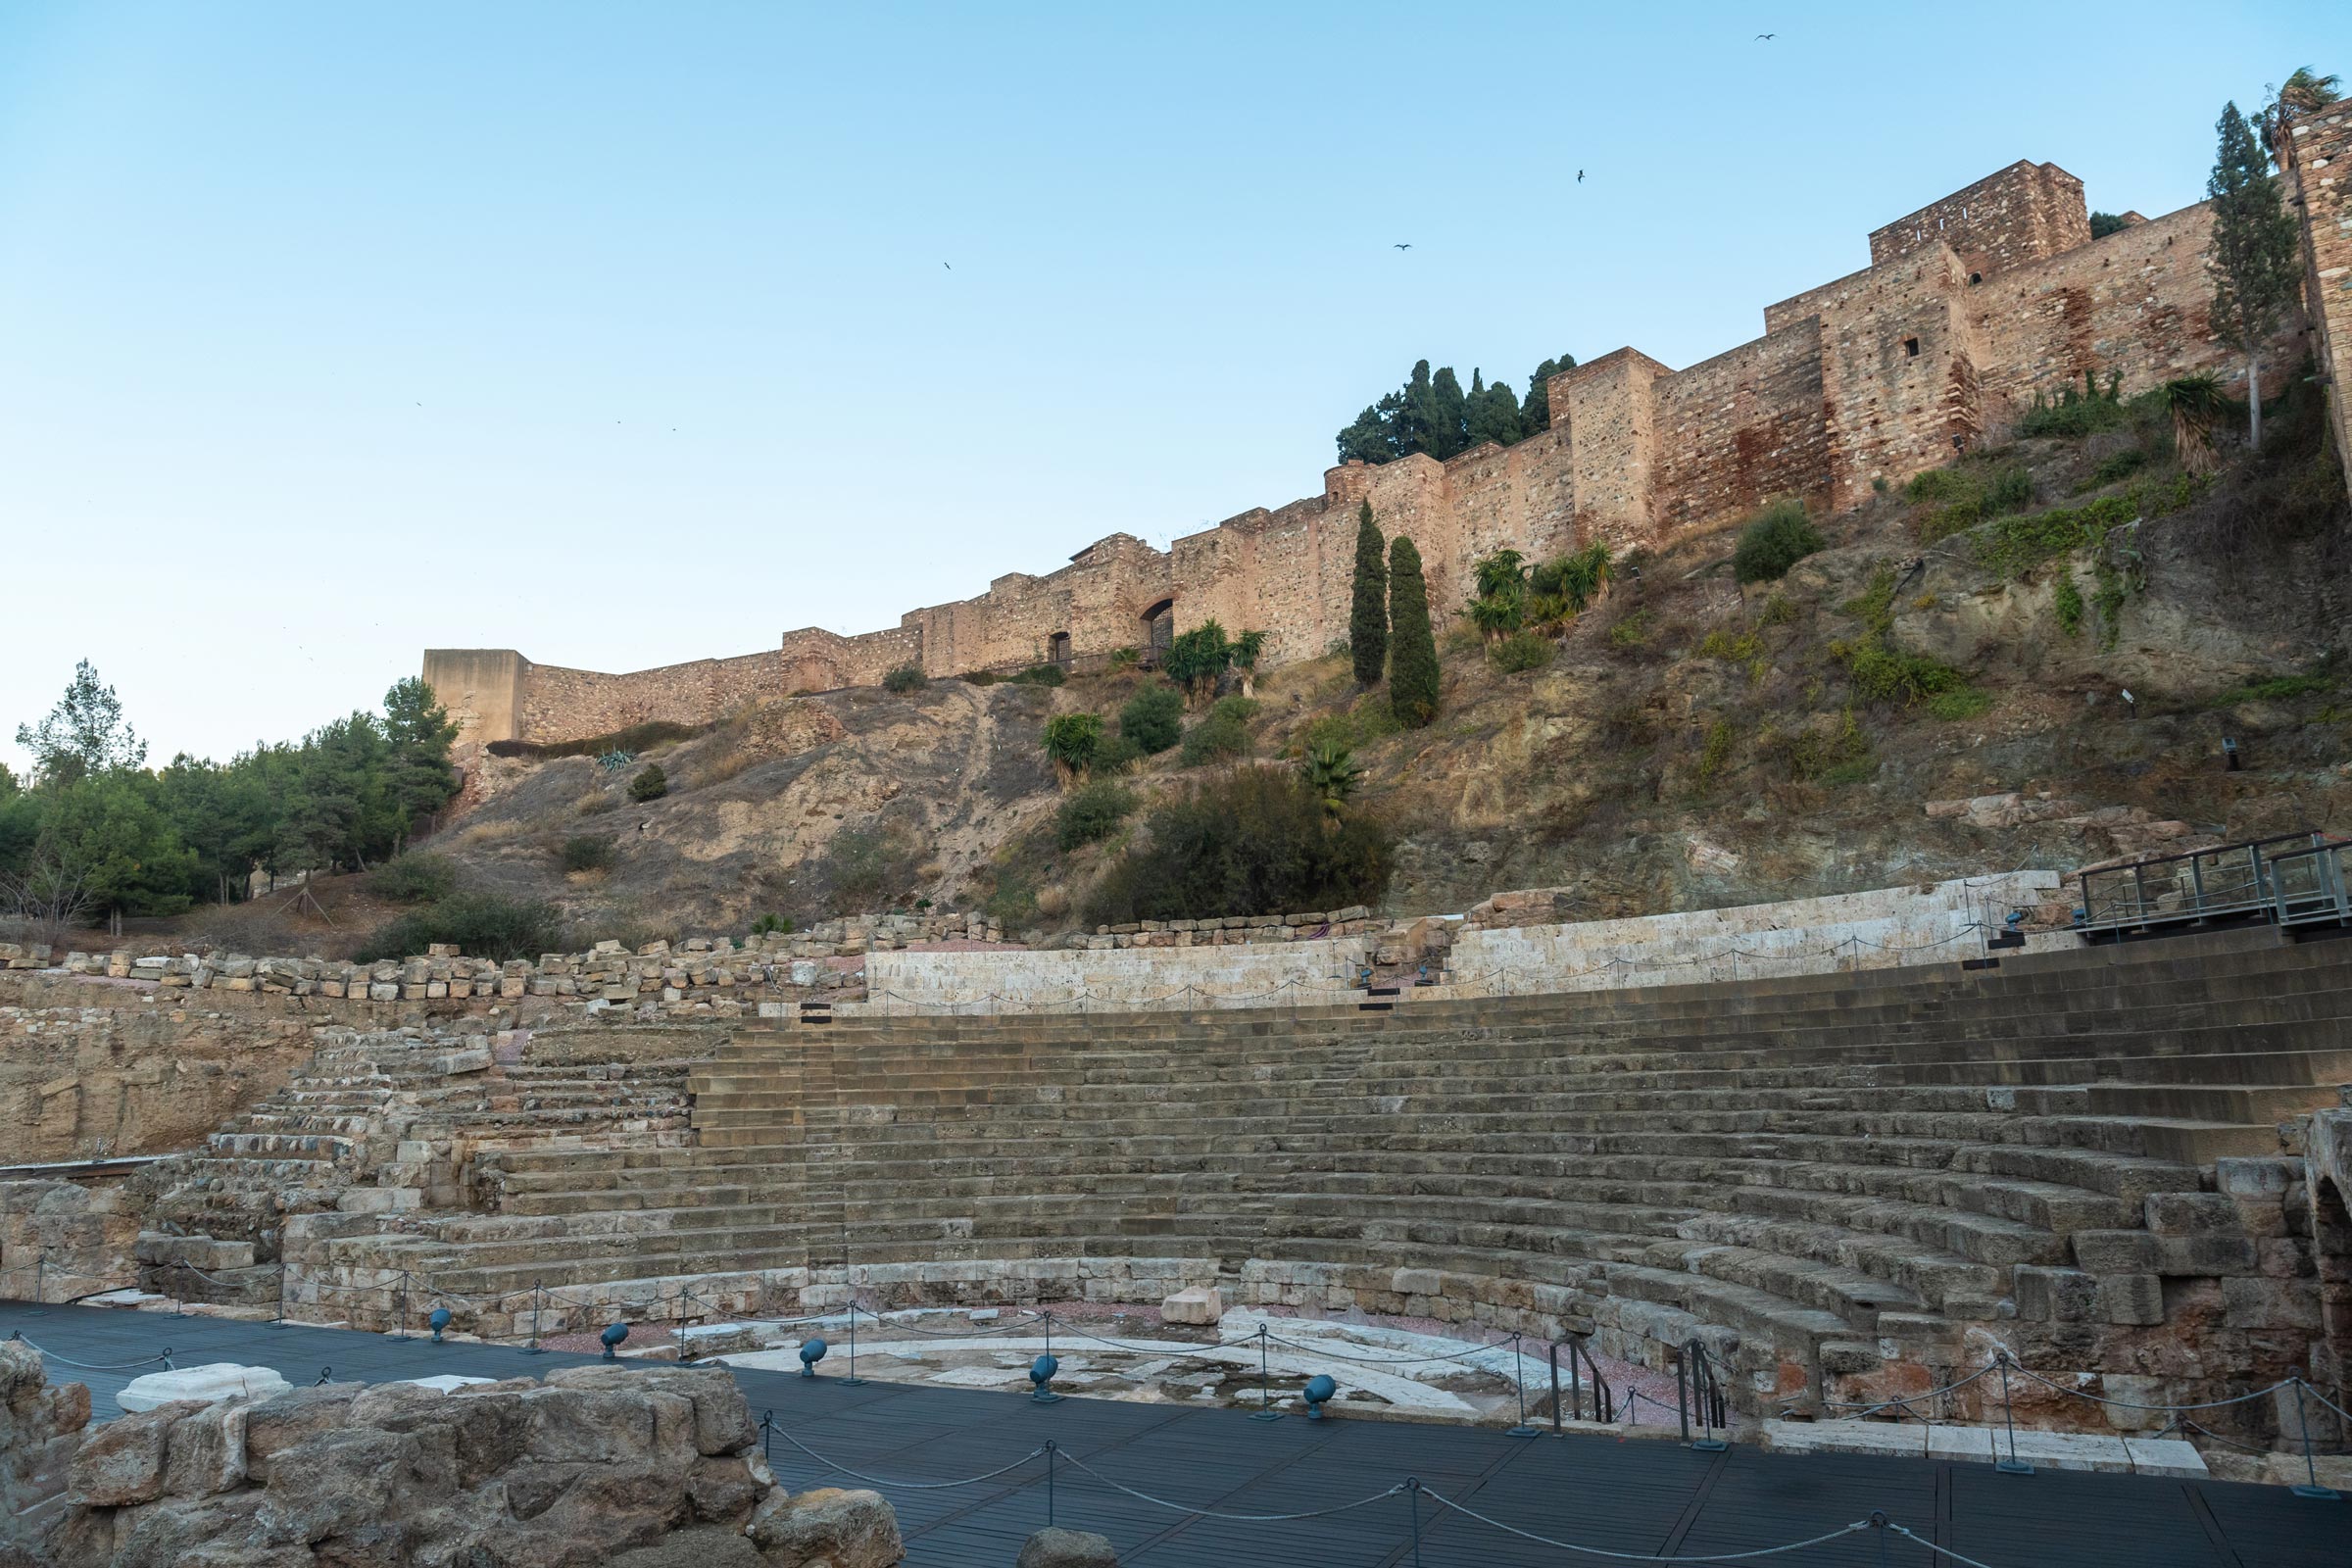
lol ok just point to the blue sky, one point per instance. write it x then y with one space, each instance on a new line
621 333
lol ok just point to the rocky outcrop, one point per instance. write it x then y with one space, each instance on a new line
641 1468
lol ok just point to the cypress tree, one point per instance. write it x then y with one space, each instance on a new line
1414 663
2254 247
1369 616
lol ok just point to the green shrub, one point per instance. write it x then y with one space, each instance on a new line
1723 737
1222 736
1092 815
588 852
650 784
905 678
1116 755
1126 658
1631 631
1960 702
2015 546
1808 753
2119 466
1880 674
1732 648
1522 652
1778 610
481 925
1254 841
415 879
1074 740
865 869
2270 688
1153 718
1775 540
1041 676
2009 489
2067 600
978 677
2075 414
771 926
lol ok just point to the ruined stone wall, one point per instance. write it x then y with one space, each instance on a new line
2317 155
2137 303
1971 306
90 1070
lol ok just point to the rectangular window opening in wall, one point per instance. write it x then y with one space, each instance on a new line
1911 347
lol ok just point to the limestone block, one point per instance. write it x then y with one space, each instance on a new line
122 1462
2267 1303
204 1385
2055 1294
2205 1254
2130 1299
1067 1549
274 1425
2190 1213
1194 1306
206 1452
715 1547
828 1528
2115 1252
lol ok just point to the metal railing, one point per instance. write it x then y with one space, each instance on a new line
2234 881
2312 886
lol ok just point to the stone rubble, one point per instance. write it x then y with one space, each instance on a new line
595 1467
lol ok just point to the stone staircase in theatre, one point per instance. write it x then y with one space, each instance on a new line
378 1125
1846 1185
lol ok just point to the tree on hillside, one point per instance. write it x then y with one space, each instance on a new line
108 834
2103 224
1430 413
86 733
419 780
1413 656
1368 613
1196 658
1073 741
2254 248
2303 93
1491 414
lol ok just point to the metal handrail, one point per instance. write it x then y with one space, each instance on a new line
2312 886
2194 886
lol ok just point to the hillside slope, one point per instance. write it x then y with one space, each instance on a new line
1692 743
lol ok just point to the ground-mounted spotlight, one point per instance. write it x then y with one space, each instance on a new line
810 1353
439 1320
1040 1375
1319 1388
614 1334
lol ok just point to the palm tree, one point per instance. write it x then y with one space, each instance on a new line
1333 773
1071 741
2304 93
2196 403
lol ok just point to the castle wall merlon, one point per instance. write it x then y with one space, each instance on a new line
2026 213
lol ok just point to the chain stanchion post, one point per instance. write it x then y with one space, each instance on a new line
2012 1465
280 1321
1412 1502
1878 1523
1265 1410
178 1288
40 1269
853 1381
1050 1483
1551 1352
534 1347
767 1427
400 1307
1519 1383
2311 1487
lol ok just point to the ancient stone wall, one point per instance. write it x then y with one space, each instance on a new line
1970 306
90 1070
2317 154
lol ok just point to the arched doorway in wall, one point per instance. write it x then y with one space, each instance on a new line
2331 1253
1057 649
1160 632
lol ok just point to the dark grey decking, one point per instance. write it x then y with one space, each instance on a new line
1628 1496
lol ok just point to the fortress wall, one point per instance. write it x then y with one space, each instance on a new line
481 688
1897 376
562 705
2026 213
2138 301
1741 428
1972 305
2317 155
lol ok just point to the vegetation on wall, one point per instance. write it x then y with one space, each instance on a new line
2256 251
905 678
1431 414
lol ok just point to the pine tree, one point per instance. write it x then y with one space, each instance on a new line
1492 414
2254 249
1369 616
1445 427
1413 662
86 733
1535 413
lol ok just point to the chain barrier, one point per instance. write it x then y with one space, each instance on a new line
164 1356
1444 1501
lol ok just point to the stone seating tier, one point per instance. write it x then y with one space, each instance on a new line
1861 1178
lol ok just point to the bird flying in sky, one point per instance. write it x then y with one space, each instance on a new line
1402 247
1766 38
1580 177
